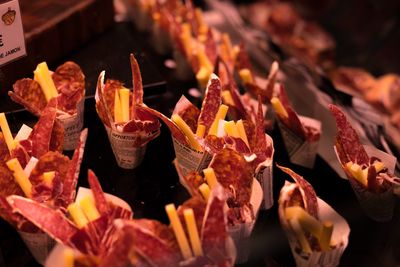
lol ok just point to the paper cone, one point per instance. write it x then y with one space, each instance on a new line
126 151
264 176
73 125
241 233
190 159
378 207
160 40
141 18
301 152
340 237
39 244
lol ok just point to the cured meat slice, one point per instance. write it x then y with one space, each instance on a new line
28 105
351 148
211 102
98 194
31 93
307 191
41 134
188 112
57 137
71 178
50 221
8 185
213 231
137 85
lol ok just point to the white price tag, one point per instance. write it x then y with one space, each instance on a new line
12 41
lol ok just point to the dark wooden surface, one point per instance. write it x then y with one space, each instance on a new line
155 183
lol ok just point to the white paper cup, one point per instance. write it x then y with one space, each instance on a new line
241 233
73 125
340 236
125 149
39 244
301 152
190 159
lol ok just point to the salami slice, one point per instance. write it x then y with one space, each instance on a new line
293 121
234 174
101 105
242 60
41 134
213 231
28 105
137 85
199 207
51 161
188 112
151 247
50 221
98 194
8 185
31 93
4 153
71 178
69 79
261 144
307 192
348 139
211 102
210 46
57 137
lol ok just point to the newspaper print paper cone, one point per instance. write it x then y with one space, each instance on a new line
124 146
301 152
264 176
241 233
340 236
39 244
190 159
378 207
73 125
160 39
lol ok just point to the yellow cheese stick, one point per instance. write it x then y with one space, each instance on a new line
201 130
326 235
242 132
178 230
186 37
69 258
48 177
20 177
43 77
193 233
231 129
221 114
89 209
245 76
228 44
187 131
227 97
278 107
379 166
6 132
307 222
210 176
204 190
305 246
124 98
77 215
203 28
204 61
357 173
202 76
117 108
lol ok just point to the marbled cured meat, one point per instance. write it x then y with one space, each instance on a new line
98 194
188 112
348 139
211 102
30 92
309 197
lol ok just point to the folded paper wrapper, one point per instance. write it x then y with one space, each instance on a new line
126 152
73 125
39 244
190 159
301 152
340 236
264 175
378 207
56 257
